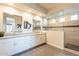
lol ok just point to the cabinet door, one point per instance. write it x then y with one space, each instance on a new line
39 39
7 47
31 41
19 44
35 40
22 43
3 51
10 46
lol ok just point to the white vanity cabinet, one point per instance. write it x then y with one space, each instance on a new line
23 43
41 39
6 47
14 45
3 47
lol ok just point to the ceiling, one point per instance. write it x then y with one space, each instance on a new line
52 6
48 8
56 7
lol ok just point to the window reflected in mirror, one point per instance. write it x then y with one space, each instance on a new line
10 24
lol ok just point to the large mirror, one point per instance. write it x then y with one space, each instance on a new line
36 24
12 23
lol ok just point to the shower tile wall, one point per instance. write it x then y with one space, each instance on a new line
71 30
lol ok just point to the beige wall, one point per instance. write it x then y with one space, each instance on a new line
55 38
1 22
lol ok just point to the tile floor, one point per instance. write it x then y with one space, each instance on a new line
46 50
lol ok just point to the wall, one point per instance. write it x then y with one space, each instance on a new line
1 22
71 27
55 38
72 32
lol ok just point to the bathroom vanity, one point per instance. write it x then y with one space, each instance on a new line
21 39
17 43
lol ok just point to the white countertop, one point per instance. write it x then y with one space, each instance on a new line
13 35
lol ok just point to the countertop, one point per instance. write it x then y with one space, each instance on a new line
14 35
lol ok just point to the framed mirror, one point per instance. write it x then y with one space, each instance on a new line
12 23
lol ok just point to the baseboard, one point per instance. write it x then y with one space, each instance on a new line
55 46
28 49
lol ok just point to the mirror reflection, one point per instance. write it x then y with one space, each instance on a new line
12 23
